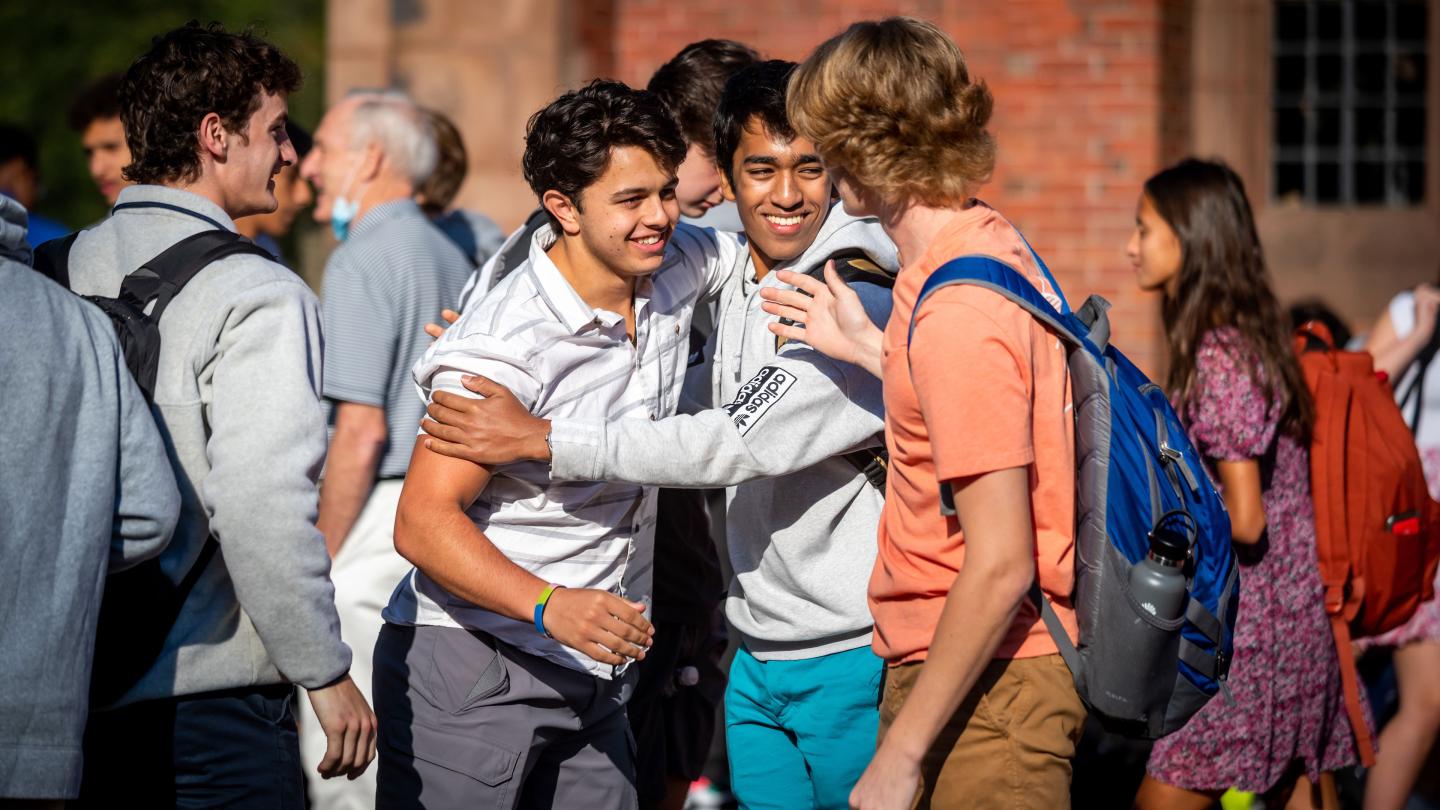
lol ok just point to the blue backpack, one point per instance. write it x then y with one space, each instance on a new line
1136 473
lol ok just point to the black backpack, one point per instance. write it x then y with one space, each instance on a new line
142 604
852 265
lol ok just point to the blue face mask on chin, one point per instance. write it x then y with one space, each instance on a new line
343 211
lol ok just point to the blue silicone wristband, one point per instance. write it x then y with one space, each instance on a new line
540 608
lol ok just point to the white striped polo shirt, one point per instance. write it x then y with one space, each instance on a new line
533 334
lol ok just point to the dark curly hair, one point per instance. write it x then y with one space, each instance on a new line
188 73
757 91
568 144
690 84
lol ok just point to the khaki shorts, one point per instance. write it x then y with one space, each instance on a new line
1010 743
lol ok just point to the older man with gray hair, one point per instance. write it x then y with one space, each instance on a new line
391 273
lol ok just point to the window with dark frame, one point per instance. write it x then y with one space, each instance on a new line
1349 101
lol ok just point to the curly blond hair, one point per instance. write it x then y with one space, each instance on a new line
892 104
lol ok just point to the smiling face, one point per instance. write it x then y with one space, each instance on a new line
1154 250
782 192
252 161
625 218
292 195
331 163
106 153
698 189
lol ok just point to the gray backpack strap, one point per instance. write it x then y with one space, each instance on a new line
1056 627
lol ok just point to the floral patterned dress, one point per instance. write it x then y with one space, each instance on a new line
1285 679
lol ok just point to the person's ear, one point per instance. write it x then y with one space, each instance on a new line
370 164
214 140
726 190
563 209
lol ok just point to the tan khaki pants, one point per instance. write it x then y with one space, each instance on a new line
1010 743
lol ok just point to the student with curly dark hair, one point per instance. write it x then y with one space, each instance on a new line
507 656
207 721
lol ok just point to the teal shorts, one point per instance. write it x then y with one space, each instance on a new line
800 733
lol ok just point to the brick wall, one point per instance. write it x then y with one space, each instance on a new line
1090 96
1090 100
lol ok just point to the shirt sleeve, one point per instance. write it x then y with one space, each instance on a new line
361 334
970 365
1402 313
452 357
1228 415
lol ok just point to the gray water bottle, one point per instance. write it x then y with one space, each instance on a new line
1144 678
1158 581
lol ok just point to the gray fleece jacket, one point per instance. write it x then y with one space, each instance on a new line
800 519
238 401
85 489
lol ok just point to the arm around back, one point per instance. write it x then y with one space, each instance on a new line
797 411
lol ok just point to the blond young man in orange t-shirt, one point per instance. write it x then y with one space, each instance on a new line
979 710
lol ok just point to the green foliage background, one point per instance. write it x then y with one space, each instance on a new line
49 50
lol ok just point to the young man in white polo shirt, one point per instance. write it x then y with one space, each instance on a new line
504 666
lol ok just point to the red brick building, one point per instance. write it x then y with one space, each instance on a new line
1092 96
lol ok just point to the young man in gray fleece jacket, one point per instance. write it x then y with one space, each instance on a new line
86 489
237 397
801 712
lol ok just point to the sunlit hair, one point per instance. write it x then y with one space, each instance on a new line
690 84
1223 282
393 122
892 105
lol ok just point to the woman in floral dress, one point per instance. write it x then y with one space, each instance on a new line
1238 388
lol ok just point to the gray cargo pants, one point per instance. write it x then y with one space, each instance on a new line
469 722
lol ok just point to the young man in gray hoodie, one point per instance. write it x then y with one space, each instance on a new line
801 706
237 398
87 491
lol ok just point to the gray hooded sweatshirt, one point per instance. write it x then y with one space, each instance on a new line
801 528
237 397
85 489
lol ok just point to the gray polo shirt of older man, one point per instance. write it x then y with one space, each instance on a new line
393 274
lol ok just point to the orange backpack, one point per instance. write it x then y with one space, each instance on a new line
1377 529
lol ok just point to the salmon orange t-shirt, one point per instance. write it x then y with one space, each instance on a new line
985 387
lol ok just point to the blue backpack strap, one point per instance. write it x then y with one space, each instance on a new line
1039 262
1001 278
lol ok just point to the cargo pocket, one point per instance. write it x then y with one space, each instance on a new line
469 756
